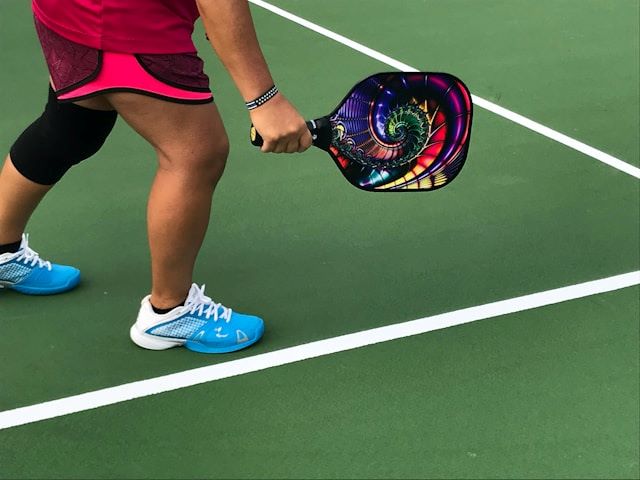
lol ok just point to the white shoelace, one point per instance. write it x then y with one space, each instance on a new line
199 302
30 257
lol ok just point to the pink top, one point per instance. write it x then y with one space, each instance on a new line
127 26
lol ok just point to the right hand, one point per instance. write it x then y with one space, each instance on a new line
281 126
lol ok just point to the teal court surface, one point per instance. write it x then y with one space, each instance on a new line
486 330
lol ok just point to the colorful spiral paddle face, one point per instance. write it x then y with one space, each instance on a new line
402 131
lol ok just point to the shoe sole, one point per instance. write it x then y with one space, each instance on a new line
152 342
70 285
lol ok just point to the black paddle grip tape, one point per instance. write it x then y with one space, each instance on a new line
320 132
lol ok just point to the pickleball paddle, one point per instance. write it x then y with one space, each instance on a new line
397 131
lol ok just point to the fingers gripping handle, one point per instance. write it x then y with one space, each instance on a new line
320 133
258 141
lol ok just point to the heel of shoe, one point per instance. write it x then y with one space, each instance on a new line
151 342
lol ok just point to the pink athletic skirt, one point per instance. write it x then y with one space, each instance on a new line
79 72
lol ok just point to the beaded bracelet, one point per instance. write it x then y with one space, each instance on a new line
262 99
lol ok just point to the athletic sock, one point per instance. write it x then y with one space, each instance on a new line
162 311
10 247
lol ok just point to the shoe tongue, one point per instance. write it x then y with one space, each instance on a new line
24 243
195 294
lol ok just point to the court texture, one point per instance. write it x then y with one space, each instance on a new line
489 329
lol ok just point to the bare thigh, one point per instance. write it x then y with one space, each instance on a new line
180 133
95 103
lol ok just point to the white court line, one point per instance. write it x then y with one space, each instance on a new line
188 378
480 102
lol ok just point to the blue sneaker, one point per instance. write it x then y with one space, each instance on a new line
25 272
200 325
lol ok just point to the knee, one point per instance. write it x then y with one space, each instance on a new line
217 154
205 161
63 136
211 161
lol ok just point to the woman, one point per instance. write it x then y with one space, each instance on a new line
137 60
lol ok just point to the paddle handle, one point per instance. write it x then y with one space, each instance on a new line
320 129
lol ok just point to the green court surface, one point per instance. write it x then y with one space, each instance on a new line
552 392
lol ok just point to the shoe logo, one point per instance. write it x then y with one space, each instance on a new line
219 334
199 336
241 336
